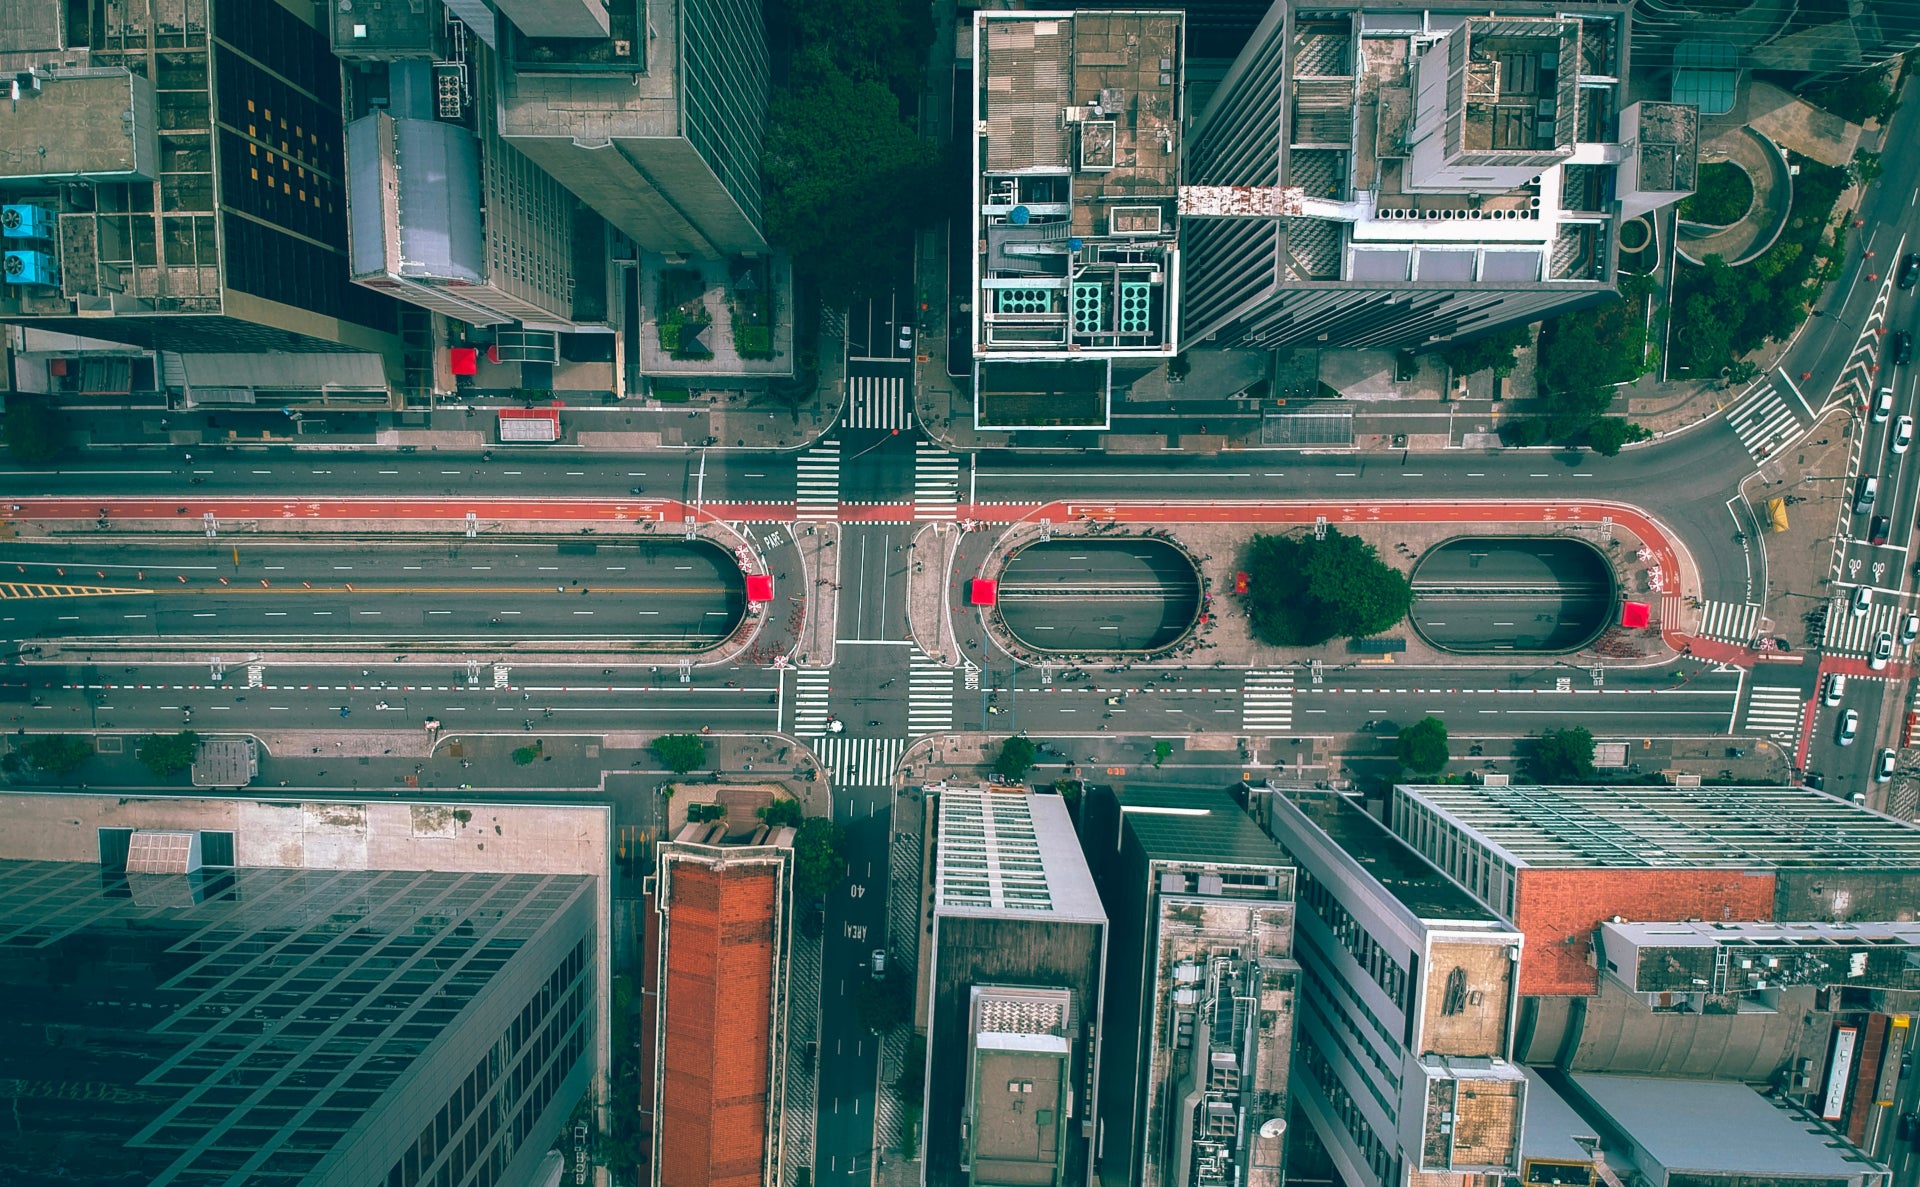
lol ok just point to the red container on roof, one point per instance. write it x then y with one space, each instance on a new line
759 588
981 592
465 360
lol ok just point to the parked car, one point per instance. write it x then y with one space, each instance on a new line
1862 600
1883 766
1865 490
1882 650
1909 629
1849 728
1877 529
1902 435
1900 348
1909 269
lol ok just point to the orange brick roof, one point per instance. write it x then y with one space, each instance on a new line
719 996
1558 910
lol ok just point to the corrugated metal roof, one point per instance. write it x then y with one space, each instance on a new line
1714 1126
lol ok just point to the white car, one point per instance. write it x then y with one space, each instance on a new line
1902 435
906 336
1883 405
1849 728
880 954
1862 600
1909 629
1883 766
1882 650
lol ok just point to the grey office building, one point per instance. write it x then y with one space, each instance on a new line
168 1016
1445 169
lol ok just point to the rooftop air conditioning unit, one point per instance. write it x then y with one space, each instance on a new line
26 222
622 48
30 269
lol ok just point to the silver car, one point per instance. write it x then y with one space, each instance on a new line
1849 728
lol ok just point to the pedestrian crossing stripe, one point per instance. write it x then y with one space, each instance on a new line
877 402
817 485
1764 422
1848 633
1731 622
810 711
1267 701
1772 709
860 762
929 695
936 483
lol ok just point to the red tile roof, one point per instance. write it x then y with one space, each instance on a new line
1558 910
718 1002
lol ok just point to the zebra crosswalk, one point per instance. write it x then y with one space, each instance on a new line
936 482
929 695
1763 421
1772 709
810 702
1266 702
817 493
860 762
877 402
1850 633
1730 622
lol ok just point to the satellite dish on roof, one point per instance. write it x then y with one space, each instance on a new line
1273 1127
1020 216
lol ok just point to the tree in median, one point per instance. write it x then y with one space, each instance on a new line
58 755
681 752
1016 758
168 754
819 857
36 430
1423 745
1303 591
1562 756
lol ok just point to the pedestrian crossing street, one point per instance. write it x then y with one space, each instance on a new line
929 695
1730 622
1773 709
936 482
1850 633
817 493
1764 421
810 702
860 762
1266 702
878 402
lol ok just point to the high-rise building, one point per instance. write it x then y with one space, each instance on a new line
1407 1004
1447 170
1019 950
444 213
213 991
719 1083
657 125
1076 208
1561 861
1201 984
173 178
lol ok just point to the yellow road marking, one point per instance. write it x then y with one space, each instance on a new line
13 591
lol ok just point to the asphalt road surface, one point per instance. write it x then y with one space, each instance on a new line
1081 595
1488 594
288 592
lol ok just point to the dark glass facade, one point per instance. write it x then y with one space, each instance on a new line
289 1026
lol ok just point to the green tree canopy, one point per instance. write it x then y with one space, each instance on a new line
1423 745
819 857
1016 758
781 813
168 754
1583 354
1606 435
1303 591
36 430
1490 352
58 755
681 752
1562 756
885 1003
1162 750
848 181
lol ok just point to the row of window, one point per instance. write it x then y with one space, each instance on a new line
1464 859
1379 964
1339 1015
1380 1159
